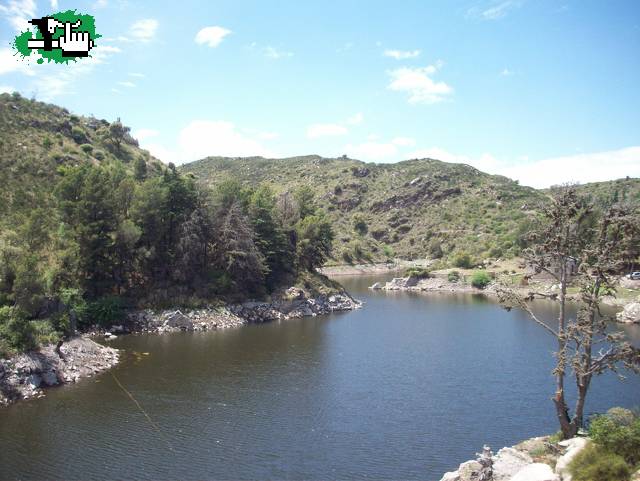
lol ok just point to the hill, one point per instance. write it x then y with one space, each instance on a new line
411 209
415 208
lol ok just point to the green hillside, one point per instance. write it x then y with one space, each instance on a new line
411 209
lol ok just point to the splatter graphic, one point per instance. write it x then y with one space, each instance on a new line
59 37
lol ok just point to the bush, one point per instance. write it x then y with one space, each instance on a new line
462 260
99 154
480 279
617 435
79 135
16 331
419 272
105 311
388 251
594 463
453 276
87 148
360 225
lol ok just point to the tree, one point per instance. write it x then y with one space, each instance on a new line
315 239
140 169
118 133
306 201
571 232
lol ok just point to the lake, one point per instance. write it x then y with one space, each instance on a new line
405 388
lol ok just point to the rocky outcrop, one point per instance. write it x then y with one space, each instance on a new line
531 460
295 305
25 375
630 314
436 284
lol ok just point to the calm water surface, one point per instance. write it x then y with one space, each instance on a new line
405 388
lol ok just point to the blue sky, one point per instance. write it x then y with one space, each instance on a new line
541 91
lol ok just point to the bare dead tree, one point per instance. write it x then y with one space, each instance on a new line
572 233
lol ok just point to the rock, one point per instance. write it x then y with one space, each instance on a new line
451 476
468 471
180 321
49 378
34 380
507 462
376 286
574 446
630 314
536 472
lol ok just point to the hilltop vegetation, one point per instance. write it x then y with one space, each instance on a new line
91 224
412 209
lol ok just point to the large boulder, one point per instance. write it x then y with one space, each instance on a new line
508 462
574 446
536 472
178 320
469 471
630 314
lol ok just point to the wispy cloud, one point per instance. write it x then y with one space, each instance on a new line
144 30
127 84
316 131
494 9
355 119
143 134
12 62
18 13
202 138
211 36
5 89
507 72
419 85
136 74
274 53
401 54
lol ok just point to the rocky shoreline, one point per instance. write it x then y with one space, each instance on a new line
26 375
630 313
537 459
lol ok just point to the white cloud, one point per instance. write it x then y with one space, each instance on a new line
417 82
325 130
135 74
591 167
274 53
495 9
10 62
267 135
144 30
18 13
127 84
202 138
5 89
506 72
142 134
404 141
355 119
401 54
211 36
371 151
54 4
101 3
581 168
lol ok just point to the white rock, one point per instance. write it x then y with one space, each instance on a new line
507 462
630 314
574 446
376 286
536 472
451 476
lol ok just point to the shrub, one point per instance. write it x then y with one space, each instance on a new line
462 260
47 143
87 148
360 225
594 463
388 251
615 434
419 272
16 331
99 154
480 279
79 135
453 276
105 311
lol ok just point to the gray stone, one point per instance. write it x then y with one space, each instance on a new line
630 314
507 462
180 321
536 472
574 446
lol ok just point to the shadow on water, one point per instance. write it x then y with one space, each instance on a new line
405 388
